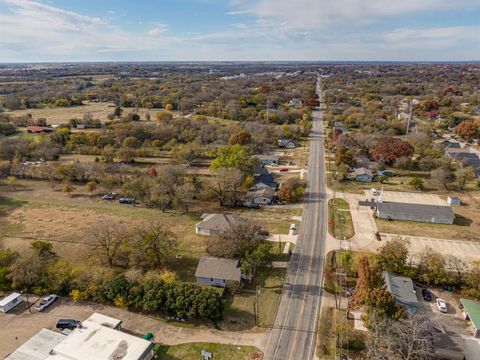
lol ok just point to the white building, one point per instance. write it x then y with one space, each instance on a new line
97 339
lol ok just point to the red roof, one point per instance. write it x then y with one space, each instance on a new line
37 129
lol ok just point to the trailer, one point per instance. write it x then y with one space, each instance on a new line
8 303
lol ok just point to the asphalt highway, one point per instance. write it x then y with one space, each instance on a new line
293 335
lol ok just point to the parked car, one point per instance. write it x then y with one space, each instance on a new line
252 205
283 170
386 173
374 192
427 295
127 201
46 301
70 324
441 305
108 196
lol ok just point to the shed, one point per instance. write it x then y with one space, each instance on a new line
215 224
471 311
402 288
453 201
215 271
436 214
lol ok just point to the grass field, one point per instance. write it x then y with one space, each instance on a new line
340 223
336 336
58 115
240 314
191 351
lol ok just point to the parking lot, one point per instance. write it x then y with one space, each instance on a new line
19 325
452 333
409 197
467 251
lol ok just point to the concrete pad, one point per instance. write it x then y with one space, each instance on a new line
409 197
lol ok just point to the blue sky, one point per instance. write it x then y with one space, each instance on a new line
205 30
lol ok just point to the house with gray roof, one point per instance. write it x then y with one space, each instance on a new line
362 175
220 272
262 196
215 224
402 289
436 214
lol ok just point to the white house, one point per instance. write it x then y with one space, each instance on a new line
218 272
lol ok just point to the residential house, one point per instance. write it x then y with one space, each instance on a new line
259 169
362 175
38 129
215 224
215 271
338 125
287 143
436 214
268 160
265 180
262 196
295 103
402 289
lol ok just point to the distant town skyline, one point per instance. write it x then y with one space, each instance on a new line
239 30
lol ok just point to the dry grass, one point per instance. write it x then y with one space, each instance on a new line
48 214
58 115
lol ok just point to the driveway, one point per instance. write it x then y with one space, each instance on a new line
365 228
18 326
453 334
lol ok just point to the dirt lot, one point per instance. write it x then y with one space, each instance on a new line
60 115
19 325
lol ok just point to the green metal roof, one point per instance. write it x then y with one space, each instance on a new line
472 308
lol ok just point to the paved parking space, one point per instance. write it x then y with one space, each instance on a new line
409 197
18 325
452 332
465 250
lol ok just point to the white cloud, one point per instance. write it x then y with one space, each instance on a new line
272 30
158 29
319 14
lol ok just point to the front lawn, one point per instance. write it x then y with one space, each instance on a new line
340 223
191 351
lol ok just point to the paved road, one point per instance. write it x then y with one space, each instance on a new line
293 334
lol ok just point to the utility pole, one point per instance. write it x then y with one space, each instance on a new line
413 102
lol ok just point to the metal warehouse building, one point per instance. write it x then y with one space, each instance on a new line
437 214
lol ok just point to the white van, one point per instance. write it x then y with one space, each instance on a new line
8 303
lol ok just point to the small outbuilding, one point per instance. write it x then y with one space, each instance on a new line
220 272
402 289
215 224
454 201
471 311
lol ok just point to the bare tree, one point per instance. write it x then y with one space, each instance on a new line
407 339
243 236
106 239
